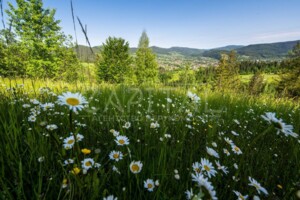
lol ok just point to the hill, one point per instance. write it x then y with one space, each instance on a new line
255 51
271 50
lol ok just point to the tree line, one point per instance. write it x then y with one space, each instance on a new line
33 45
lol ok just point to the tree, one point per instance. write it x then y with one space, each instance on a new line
290 80
227 73
114 61
146 64
256 84
12 56
40 36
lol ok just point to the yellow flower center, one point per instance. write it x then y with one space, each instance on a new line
70 141
256 186
197 170
241 197
116 156
149 185
72 101
135 167
88 164
236 149
121 141
206 168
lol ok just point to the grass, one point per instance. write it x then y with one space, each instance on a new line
32 156
268 78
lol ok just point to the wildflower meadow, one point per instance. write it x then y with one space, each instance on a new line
75 141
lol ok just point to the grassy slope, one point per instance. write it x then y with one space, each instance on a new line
269 158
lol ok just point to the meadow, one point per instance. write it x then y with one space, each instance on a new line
89 141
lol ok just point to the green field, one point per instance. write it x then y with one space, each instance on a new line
268 78
168 134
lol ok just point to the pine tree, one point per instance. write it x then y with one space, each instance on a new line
256 84
227 73
290 79
114 62
40 36
146 64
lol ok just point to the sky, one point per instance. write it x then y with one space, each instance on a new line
201 24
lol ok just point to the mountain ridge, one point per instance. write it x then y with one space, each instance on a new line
252 51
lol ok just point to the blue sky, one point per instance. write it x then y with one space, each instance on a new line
188 23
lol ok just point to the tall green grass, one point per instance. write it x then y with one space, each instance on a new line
269 158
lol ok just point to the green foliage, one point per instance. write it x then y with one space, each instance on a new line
41 44
256 84
250 66
227 73
295 52
205 74
114 61
146 64
290 80
13 58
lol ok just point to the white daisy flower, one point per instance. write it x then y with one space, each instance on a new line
189 194
257 185
149 185
51 127
26 105
127 125
208 167
236 149
154 125
228 141
69 142
116 155
122 140
97 165
169 100
286 129
235 166
87 163
257 197
197 167
136 167
41 159
193 97
110 197
34 101
203 182
240 196
226 152
114 132
236 121
115 169
32 118
47 106
75 101
214 144
234 133
220 167
269 117
68 161
79 137
212 152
